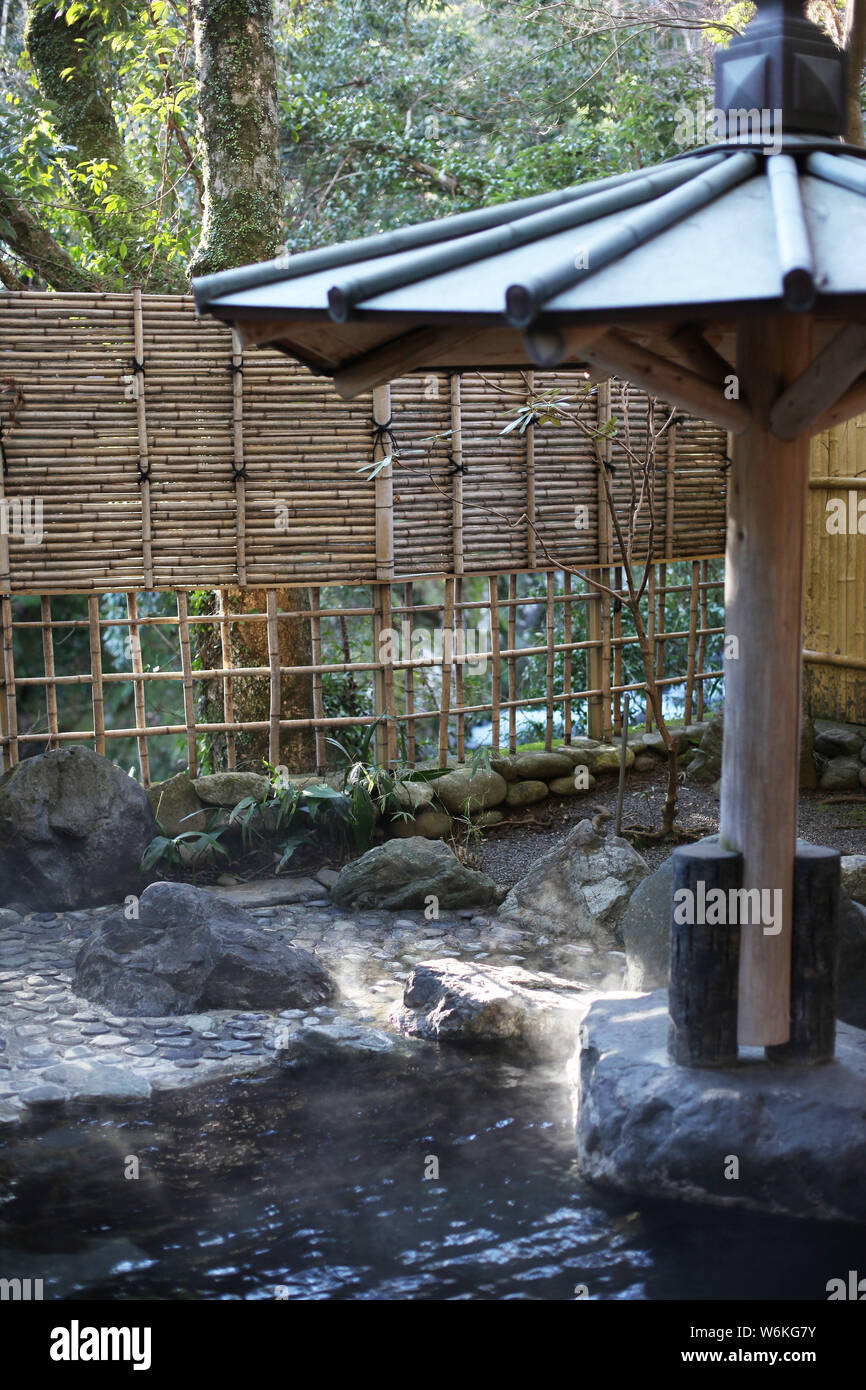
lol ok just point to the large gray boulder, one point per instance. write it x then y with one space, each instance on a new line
650 1128
405 873
189 951
579 889
841 775
73 828
479 1005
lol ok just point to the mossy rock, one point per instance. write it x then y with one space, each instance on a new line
525 793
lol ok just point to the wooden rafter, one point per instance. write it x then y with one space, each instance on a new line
822 389
662 377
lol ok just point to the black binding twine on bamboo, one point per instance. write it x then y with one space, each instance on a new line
456 467
384 432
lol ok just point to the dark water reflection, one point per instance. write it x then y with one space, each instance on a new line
312 1186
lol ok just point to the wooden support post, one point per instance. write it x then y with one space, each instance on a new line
274 685
447 657
379 646
692 650
137 665
143 451
550 642
814 952
96 674
409 601
662 593
767 490
228 687
188 691
512 663
239 465
704 959
316 652
496 662
48 664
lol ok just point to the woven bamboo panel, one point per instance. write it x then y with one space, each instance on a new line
162 457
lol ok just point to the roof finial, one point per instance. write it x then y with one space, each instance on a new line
786 66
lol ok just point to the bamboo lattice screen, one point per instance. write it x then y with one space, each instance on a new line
165 458
144 451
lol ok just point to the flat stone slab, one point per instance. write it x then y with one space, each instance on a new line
269 892
795 1136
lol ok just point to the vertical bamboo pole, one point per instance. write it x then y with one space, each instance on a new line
137 665
457 478
316 651
662 593
606 705
617 649
459 669
96 674
380 735
390 707
530 481
550 642
670 490
143 453
188 692
566 659
692 651
228 685
767 491
239 465
595 664
651 635
274 689
702 644
10 704
496 663
409 601
447 658
512 663
48 664
383 680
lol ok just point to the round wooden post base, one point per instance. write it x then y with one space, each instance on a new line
705 957
815 944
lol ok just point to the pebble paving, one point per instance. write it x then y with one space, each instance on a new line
56 1048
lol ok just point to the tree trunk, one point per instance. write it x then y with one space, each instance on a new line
243 222
855 47
239 131
68 61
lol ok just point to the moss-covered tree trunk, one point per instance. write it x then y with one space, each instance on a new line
239 132
243 222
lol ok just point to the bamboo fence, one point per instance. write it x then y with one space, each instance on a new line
420 688
145 452
164 457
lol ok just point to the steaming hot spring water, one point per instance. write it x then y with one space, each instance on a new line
448 1176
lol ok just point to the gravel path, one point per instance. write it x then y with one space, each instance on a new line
509 853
